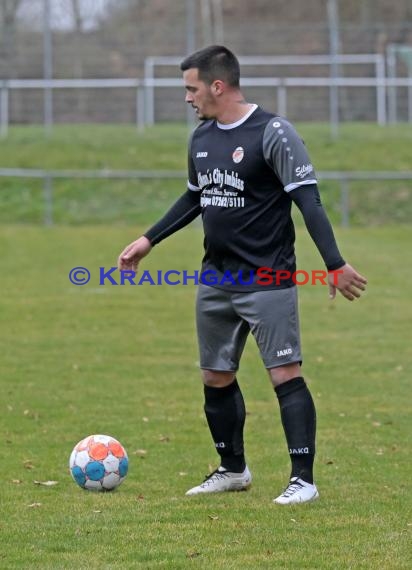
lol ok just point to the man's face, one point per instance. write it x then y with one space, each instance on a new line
199 95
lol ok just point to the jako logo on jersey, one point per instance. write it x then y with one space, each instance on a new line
284 352
201 155
238 154
302 171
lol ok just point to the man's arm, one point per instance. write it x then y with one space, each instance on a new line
348 281
183 211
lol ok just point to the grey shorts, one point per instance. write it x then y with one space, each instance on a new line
224 320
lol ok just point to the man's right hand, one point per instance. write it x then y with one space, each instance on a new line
132 254
348 282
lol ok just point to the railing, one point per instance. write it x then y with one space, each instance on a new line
344 178
144 105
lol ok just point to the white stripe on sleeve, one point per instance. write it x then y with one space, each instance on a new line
294 185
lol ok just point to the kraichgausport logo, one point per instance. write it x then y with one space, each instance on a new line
264 276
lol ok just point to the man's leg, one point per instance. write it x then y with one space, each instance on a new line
274 322
225 412
222 335
298 416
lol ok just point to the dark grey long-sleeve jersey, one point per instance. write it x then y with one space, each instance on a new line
243 179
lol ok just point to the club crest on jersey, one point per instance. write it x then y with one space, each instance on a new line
238 154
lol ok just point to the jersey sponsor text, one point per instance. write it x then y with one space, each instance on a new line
222 201
302 171
222 178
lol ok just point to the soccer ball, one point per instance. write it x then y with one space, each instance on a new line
98 463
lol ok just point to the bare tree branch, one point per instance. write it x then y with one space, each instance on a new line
8 12
78 22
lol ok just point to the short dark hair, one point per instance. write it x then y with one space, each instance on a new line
214 62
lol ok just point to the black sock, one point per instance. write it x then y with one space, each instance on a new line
225 413
298 415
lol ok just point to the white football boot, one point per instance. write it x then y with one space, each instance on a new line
222 480
298 491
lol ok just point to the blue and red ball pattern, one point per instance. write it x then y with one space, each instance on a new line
99 463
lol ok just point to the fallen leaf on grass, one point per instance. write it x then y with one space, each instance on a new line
34 505
182 473
30 414
27 464
164 438
97 511
192 554
140 452
140 497
46 483
17 481
213 517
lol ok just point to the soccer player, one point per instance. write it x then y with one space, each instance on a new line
246 167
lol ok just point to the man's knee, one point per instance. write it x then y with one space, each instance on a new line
217 379
282 374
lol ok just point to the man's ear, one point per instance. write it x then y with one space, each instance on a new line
218 87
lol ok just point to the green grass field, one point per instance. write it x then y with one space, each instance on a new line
366 147
122 360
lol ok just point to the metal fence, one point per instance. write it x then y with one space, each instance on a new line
343 178
144 105
376 95
79 42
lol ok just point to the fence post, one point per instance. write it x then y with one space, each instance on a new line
380 91
344 202
47 67
282 100
48 199
149 90
335 71
4 110
140 110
